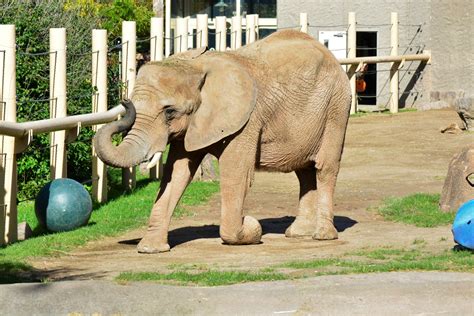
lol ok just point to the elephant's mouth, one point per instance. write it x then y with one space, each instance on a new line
153 160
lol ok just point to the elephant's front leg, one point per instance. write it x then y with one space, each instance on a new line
236 172
179 171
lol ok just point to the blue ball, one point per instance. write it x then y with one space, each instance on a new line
463 225
63 205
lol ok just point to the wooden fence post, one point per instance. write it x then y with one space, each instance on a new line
156 54
351 47
221 33
156 39
251 31
99 104
181 40
57 95
201 30
236 35
129 69
394 66
8 176
304 22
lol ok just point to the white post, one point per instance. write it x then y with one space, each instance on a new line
156 39
156 54
394 66
257 26
8 176
167 28
304 22
351 47
250 29
181 40
99 104
190 33
221 33
129 69
57 95
236 35
201 30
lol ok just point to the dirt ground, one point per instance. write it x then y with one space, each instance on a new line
385 155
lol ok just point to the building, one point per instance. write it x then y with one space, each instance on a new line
444 27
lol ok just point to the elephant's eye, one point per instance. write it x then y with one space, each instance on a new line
169 113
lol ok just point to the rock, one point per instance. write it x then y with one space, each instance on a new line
24 231
458 187
207 171
465 109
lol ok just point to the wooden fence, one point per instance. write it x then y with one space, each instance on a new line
15 137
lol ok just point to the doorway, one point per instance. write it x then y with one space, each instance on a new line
367 46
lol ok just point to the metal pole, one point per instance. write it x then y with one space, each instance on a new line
129 51
236 35
156 53
221 33
99 104
351 48
201 30
394 66
8 176
57 95
304 22
156 39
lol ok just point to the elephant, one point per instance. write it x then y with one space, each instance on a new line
279 104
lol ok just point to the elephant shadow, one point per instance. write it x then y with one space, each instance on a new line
278 225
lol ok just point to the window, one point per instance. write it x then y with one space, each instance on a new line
228 8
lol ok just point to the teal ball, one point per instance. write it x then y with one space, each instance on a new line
63 205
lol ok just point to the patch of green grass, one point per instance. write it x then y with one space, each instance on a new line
377 260
389 260
119 215
421 210
207 278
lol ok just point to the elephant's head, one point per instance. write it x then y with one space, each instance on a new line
196 96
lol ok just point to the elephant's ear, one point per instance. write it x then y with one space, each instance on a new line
228 97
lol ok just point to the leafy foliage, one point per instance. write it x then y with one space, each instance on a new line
33 19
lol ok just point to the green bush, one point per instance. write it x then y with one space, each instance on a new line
33 19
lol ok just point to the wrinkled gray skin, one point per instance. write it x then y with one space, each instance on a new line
280 104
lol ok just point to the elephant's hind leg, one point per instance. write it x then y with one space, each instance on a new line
305 222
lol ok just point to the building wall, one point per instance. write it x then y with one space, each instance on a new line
446 29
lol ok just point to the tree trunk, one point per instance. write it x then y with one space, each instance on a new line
158 8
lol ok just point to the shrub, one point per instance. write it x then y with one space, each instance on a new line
33 19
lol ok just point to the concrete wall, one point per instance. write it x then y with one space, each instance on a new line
446 29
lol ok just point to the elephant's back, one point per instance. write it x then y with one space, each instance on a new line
287 51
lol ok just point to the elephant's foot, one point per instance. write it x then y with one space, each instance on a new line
250 233
149 244
301 227
325 232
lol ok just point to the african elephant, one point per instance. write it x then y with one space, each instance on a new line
279 104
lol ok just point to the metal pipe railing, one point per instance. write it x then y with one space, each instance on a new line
56 124
385 59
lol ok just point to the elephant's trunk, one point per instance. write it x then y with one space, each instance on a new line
131 150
